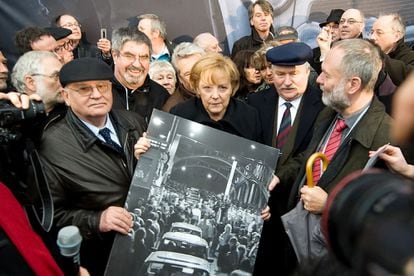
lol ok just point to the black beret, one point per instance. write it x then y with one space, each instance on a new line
58 32
85 69
290 54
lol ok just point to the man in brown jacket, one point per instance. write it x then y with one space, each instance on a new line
349 73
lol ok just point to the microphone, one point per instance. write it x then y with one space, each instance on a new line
69 242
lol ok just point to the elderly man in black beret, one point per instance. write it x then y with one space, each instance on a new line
287 112
89 160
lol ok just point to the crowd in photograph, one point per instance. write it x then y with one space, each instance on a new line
348 99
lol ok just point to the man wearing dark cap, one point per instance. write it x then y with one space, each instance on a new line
53 39
89 160
286 34
64 46
353 123
330 32
34 39
287 112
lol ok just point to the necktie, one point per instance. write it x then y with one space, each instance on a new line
331 147
106 134
285 126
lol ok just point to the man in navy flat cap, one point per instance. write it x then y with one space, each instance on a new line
287 112
89 160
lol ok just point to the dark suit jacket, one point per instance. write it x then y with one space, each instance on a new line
272 244
266 103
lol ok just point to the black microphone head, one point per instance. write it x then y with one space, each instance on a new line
69 241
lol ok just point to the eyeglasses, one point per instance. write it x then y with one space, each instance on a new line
70 25
130 58
66 46
87 90
333 25
350 21
379 33
54 76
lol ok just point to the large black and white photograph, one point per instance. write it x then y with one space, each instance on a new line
196 198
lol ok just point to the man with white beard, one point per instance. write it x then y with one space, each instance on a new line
353 123
132 87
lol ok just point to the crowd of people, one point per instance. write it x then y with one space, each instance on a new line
347 98
218 218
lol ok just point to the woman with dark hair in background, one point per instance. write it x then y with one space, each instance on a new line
250 77
81 47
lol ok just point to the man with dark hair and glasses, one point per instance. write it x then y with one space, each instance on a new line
132 87
34 39
53 39
64 45
88 159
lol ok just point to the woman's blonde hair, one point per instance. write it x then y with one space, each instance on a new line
207 67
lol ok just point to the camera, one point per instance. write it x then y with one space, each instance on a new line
368 223
12 119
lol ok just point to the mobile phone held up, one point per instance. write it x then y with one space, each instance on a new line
103 33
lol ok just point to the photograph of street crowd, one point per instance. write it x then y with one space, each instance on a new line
196 199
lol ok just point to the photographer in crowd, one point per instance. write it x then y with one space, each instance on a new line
22 251
25 247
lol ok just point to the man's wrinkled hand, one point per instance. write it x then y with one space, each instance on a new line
116 219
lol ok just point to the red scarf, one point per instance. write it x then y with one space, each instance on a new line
14 222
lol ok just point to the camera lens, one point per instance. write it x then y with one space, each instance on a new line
35 109
366 207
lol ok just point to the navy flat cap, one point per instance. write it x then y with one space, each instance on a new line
58 32
290 54
85 69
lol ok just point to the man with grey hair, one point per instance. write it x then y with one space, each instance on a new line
353 123
153 27
388 33
37 72
208 43
185 55
132 87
